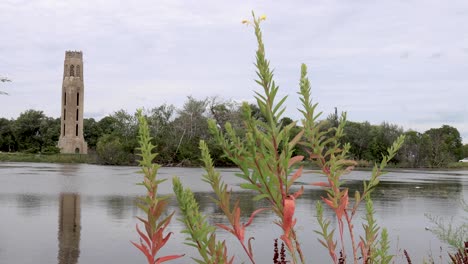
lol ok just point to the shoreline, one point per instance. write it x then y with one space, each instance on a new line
93 159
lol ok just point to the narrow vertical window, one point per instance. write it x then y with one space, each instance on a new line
76 130
78 99
76 114
72 70
78 71
64 129
65 99
64 114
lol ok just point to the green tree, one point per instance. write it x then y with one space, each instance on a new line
7 142
465 150
126 124
107 125
27 130
411 154
126 127
442 145
92 131
49 133
223 111
358 135
162 131
382 138
453 140
190 126
111 151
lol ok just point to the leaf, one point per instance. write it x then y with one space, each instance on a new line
296 139
298 193
296 175
295 160
225 228
145 251
321 184
249 186
253 215
259 197
167 258
142 235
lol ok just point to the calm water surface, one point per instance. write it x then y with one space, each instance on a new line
67 213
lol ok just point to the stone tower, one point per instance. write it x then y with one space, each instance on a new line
71 132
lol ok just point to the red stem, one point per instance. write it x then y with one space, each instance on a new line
247 252
351 233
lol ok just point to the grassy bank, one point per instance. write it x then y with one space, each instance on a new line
458 165
93 159
50 158
368 165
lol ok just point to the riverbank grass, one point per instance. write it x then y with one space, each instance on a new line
458 165
48 158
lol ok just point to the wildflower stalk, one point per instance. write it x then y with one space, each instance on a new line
331 156
265 155
381 254
451 233
152 239
371 229
201 235
223 200
265 158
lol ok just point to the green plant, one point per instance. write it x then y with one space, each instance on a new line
111 151
201 235
451 233
461 256
153 238
265 157
332 158
264 154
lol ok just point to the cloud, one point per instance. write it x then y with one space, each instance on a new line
379 61
436 55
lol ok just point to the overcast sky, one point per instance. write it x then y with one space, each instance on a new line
404 62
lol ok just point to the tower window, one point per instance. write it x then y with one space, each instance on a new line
72 70
78 99
64 114
76 114
63 129
65 99
76 130
78 71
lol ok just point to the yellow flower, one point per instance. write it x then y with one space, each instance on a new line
263 17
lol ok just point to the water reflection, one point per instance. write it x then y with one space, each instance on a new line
69 228
397 190
388 197
50 202
116 206
29 204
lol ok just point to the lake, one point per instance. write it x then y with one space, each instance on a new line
79 213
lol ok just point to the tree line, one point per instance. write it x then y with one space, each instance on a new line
177 131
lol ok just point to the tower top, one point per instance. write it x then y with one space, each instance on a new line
74 54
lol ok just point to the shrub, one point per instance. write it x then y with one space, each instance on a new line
268 166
